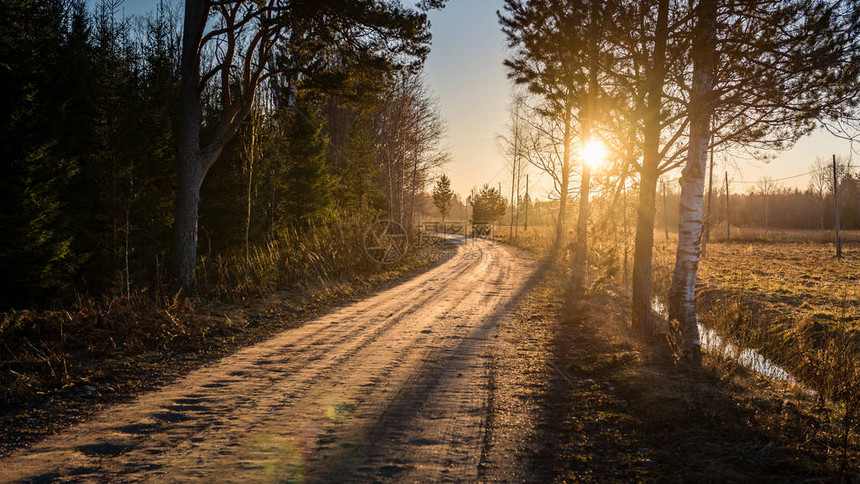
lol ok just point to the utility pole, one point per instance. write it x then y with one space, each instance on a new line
728 219
665 213
836 204
707 230
513 183
528 202
472 218
499 221
517 219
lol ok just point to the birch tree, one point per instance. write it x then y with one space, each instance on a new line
767 69
410 131
682 292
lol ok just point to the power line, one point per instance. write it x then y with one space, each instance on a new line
777 179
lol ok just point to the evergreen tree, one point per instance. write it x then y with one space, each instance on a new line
488 205
359 181
35 241
442 196
309 186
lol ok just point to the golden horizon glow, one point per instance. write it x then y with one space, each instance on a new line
594 153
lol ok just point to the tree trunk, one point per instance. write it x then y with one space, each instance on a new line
580 266
248 212
189 166
682 302
250 152
580 270
185 221
565 182
513 182
706 236
401 179
644 246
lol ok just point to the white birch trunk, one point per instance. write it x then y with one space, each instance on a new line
682 295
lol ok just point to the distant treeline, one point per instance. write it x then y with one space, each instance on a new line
89 154
782 208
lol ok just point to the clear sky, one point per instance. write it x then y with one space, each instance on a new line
465 72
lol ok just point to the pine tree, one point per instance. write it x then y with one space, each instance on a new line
488 205
35 241
359 178
309 186
442 196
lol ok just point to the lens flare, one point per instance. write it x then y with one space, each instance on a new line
594 153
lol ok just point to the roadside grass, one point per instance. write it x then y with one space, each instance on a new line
538 239
759 234
783 294
795 303
57 366
611 408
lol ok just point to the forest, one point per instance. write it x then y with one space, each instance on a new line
91 142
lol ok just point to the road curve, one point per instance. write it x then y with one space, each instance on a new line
395 387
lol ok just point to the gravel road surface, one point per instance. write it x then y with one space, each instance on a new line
397 387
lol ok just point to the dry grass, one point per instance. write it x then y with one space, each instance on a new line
783 293
621 410
315 255
759 234
794 302
56 364
540 239
792 281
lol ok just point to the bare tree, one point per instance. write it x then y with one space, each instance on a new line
766 187
233 45
513 145
542 138
410 130
818 183
250 154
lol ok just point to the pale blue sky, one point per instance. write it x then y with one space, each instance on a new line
466 75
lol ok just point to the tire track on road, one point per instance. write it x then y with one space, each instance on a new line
384 388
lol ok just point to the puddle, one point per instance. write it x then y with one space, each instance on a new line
748 358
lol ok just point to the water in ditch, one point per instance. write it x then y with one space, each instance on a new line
746 357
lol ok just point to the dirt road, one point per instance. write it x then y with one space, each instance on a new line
395 387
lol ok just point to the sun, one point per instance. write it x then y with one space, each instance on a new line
594 153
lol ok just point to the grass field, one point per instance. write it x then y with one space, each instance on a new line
789 297
792 281
783 293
